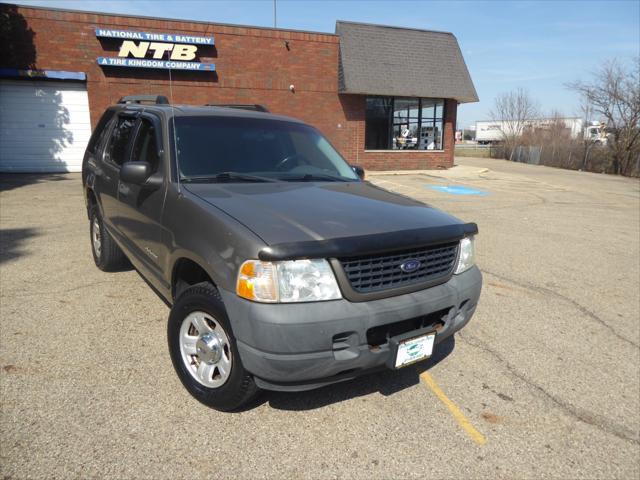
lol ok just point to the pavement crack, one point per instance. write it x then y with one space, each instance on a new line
593 419
588 313
57 292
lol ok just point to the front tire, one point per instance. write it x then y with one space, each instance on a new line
204 352
106 253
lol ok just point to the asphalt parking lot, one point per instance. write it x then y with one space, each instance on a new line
544 381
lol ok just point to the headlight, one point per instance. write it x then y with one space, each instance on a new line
286 282
467 257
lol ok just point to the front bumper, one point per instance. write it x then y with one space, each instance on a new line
307 345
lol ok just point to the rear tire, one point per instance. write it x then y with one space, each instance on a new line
204 351
106 253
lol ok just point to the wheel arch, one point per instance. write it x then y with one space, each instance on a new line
187 272
91 199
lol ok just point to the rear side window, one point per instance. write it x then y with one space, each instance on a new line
100 131
145 148
117 148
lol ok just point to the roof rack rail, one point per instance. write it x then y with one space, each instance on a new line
157 99
254 106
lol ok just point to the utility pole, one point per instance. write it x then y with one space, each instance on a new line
275 15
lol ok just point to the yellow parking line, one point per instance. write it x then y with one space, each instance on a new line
475 435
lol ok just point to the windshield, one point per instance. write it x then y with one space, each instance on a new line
236 149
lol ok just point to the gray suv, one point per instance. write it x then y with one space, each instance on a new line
284 270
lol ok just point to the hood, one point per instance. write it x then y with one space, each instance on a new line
290 213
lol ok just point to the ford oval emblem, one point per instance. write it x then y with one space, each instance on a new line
410 265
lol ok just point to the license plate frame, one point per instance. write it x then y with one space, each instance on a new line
414 349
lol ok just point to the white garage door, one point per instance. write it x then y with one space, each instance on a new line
44 126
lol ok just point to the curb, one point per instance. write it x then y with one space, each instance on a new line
430 173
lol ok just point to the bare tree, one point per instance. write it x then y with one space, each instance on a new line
559 130
586 112
513 112
614 93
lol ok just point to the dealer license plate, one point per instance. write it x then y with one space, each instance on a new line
415 349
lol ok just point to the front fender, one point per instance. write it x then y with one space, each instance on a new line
208 236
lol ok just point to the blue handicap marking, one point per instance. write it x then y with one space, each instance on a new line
458 190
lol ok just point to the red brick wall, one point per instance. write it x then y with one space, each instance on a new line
253 65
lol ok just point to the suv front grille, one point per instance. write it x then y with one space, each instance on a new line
374 273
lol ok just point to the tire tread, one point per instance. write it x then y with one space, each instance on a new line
111 257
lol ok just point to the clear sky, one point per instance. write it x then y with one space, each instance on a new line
507 44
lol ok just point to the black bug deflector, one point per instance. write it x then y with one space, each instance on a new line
368 244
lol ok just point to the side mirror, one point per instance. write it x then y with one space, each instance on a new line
135 172
359 171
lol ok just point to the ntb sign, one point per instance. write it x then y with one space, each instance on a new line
156 50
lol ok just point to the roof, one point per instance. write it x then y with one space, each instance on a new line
394 61
203 111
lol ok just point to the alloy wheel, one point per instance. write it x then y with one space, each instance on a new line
205 349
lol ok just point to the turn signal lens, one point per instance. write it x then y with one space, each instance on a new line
256 281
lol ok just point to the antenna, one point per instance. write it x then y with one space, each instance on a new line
173 121
175 135
275 16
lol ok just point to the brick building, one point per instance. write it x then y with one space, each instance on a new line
386 97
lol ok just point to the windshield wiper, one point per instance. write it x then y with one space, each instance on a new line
226 177
310 177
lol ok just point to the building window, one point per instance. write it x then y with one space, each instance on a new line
397 123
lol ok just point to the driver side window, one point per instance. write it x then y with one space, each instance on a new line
145 148
117 149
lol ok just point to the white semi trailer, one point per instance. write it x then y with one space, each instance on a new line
493 131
